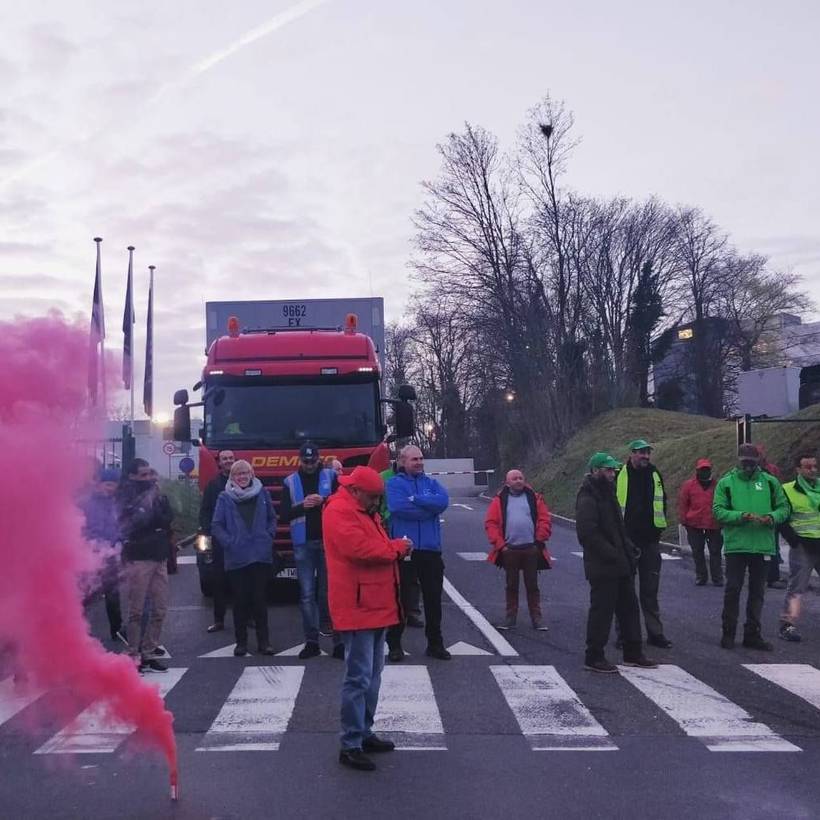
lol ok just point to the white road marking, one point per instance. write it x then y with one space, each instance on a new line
96 731
407 712
798 678
462 648
496 639
550 714
664 556
704 713
294 651
14 699
472 556
186 559
224 652
463 507
257 712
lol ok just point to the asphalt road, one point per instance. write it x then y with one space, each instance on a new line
518 728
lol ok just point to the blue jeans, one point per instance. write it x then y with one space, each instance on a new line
311 571
364 661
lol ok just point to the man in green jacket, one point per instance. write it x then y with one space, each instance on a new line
749 504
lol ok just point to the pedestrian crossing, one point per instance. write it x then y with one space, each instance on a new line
258 711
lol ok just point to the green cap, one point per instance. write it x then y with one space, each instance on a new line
600 460
638 444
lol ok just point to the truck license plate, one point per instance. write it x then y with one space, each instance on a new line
287 572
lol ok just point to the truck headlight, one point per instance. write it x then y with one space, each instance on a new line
202 543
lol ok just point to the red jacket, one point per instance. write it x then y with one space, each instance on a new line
695 505
362 566
496 519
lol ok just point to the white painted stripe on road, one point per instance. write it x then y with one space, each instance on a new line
664 556
550 714
496 639
703 712
407 712
257 712
294 651
186 559
222 652
798 678
14 698
96 731
472 556
462 648
463 507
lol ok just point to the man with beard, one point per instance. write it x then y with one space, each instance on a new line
144 515
219 585
642 498
609 566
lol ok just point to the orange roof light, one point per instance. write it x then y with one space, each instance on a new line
351 323
233 327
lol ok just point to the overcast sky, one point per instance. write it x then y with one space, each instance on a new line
275 149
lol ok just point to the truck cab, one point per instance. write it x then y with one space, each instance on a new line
266 391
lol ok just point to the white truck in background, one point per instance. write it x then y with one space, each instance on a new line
777 391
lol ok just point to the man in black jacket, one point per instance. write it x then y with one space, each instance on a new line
609 565
144 516
219 580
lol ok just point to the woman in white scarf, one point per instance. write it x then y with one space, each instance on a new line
245 524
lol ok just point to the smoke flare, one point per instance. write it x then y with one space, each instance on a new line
43 628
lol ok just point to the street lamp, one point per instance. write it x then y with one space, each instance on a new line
429 427
509 396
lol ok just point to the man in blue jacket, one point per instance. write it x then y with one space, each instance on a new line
415 502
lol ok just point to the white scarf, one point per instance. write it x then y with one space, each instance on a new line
238 494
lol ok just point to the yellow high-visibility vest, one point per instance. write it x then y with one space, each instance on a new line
622 490
805 517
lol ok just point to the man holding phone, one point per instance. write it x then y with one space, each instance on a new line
749 504
363 586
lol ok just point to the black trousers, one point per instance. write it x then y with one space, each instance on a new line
408 594
698 541
429 568
249 586
773 570
736 565
649 581
608 597
219 588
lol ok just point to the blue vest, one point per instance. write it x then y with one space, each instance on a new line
298 528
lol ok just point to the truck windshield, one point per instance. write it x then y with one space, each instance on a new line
285 415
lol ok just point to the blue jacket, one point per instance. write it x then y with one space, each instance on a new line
414 504
100 518
243 547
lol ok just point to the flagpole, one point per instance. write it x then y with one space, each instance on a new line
130 278
148 383
98 239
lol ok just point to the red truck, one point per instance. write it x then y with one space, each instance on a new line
266 391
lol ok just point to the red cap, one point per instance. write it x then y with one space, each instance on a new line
702 463
365 478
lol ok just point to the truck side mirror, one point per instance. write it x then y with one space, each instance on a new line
403 419
181 397
182 422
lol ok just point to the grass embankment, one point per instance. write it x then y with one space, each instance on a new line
679 440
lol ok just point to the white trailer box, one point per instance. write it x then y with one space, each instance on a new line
297 313
770 391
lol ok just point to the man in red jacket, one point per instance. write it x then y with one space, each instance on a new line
518 525
695 513
363 594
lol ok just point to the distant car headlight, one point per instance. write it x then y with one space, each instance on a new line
202 543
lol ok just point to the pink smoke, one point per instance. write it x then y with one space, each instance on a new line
43 374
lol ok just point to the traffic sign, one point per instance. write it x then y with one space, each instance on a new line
186 465
169 448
